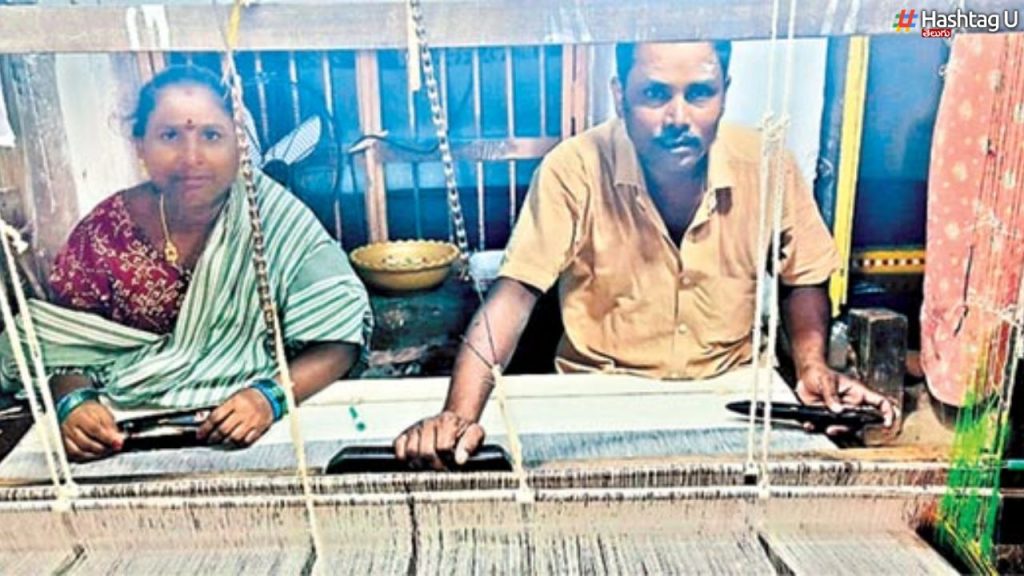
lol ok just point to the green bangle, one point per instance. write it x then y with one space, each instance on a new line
274 394
74 399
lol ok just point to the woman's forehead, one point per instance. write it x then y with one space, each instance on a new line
193 100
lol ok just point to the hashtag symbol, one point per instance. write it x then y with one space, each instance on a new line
904 21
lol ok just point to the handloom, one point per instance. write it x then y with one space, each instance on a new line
625 475
558 418
976 348
588 511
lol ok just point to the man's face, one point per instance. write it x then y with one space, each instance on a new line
671 103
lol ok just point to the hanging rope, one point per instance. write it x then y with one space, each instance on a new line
771 172
762 253
45 415
775 136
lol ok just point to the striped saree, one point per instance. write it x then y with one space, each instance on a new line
219 340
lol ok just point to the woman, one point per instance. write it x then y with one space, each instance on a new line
156 294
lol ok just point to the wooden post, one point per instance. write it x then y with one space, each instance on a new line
854 98
14 198
149 64
574 89
826 180
879 340
12 164
49 180
368 96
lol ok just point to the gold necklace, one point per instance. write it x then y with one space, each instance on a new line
170 250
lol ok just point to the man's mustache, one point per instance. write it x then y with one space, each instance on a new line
673 140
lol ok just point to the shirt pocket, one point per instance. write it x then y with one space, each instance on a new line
729 310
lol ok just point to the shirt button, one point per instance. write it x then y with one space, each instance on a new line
682 329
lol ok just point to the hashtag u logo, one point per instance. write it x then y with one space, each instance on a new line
904 20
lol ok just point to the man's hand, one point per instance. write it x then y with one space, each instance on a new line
240 420
819 384
90 432
448 434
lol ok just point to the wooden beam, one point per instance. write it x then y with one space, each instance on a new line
368 96
830 134
482 150
15 198
372 24
50 180
12 165
574 89
854 99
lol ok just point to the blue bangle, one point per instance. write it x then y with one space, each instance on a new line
67 404
274 394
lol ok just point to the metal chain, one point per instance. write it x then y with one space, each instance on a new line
437 116
259 259
275 341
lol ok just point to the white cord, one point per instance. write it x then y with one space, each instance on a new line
772 174
762 249
49 427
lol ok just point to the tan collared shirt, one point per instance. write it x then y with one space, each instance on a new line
632 300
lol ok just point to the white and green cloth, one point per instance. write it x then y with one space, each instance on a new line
219 341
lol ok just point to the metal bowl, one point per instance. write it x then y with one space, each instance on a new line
404 265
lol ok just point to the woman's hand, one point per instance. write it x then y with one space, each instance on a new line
90 432
240 420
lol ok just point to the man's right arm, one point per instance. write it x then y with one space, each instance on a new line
490 339
543 244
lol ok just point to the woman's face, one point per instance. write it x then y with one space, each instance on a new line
189 147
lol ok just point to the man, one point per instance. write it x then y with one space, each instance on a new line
649 223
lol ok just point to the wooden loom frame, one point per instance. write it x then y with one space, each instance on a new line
51 29
191 26
55 29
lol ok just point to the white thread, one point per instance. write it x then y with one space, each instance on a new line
850 24
155 18
829 16
296 430
761 249
131 25
773 138
438 117
524 494
49 427
23 373
776 135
